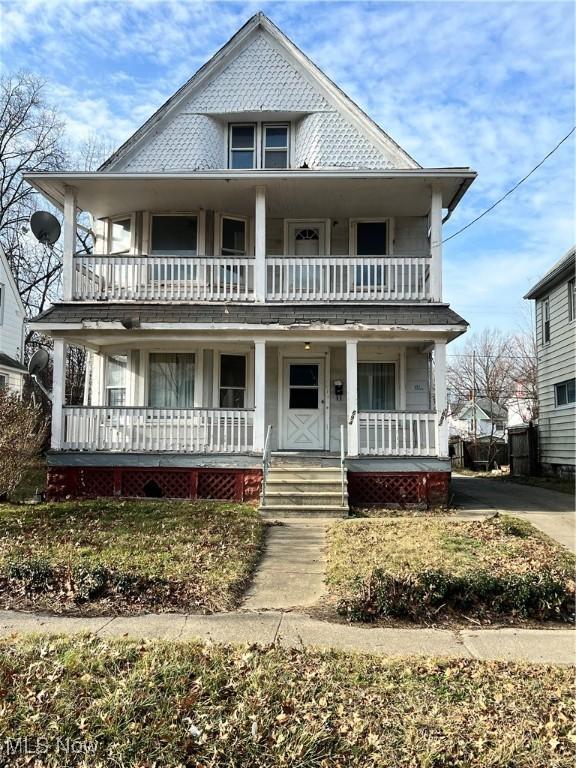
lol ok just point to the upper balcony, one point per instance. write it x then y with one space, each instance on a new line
257 236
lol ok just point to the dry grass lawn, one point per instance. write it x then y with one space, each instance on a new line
427 568
167 704
108 556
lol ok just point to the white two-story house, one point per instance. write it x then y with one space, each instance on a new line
12 315
265 288
555 297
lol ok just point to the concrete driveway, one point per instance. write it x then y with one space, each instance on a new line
550 511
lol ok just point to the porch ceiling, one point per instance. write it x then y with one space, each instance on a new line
292 194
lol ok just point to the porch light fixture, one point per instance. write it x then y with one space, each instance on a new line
306 345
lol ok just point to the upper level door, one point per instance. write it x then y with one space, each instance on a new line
307 238
303 427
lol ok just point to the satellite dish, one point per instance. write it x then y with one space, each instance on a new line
45 227
38 362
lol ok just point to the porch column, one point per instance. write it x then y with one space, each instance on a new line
352 395
58 393
260 245
440 398
436 244
259 396
69 242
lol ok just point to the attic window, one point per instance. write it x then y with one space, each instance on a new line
275 146
242 146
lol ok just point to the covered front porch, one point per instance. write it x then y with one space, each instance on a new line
218 395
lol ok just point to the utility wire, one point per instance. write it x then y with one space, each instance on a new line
515 187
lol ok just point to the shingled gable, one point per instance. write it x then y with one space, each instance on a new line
258 71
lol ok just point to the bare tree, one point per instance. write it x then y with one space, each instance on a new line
525 398
31 139
485 369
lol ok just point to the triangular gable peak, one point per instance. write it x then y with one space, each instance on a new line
259 75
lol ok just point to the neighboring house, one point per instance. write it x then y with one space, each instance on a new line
484 418
555 299
12 314
268 262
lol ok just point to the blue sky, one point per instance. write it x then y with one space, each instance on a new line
483 84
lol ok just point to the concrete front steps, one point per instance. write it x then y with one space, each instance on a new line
304 491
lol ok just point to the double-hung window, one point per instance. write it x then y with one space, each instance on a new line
275 146
171 380
242 143
116 381
254 145
545 321
232 381
376 386
565 392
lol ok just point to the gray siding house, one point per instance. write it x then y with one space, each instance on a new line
265 290
555 299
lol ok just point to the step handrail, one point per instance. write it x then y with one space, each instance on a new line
266 453
342 462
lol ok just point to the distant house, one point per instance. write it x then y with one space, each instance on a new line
12 314
555 297
483 418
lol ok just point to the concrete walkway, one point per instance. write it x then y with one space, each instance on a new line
293 630
550 511
291 572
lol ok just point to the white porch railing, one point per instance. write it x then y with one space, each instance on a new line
396 433
163 278
355 278
190 430
229 278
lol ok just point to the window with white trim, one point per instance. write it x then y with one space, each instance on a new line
232 236
242 146
258 145
572 299
171 380
3 381
232 381
545 321
2 293
275 145
376 386
174 234
120 234
565 392
116 380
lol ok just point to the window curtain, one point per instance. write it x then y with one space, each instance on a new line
171 380
376 386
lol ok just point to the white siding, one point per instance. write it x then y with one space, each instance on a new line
557 426
11 317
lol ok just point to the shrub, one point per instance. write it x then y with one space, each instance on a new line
22 432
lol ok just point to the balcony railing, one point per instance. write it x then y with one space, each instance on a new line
396 433
189 430
228 278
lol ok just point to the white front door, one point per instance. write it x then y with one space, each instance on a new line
303 427
306 238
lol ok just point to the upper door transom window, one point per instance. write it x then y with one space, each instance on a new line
258 145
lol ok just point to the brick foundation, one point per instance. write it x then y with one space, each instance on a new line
153 482
398 488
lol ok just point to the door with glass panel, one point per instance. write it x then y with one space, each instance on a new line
303 427
306 239
173 239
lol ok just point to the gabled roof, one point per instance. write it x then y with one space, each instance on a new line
562 270
492 410
333 94
12 281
